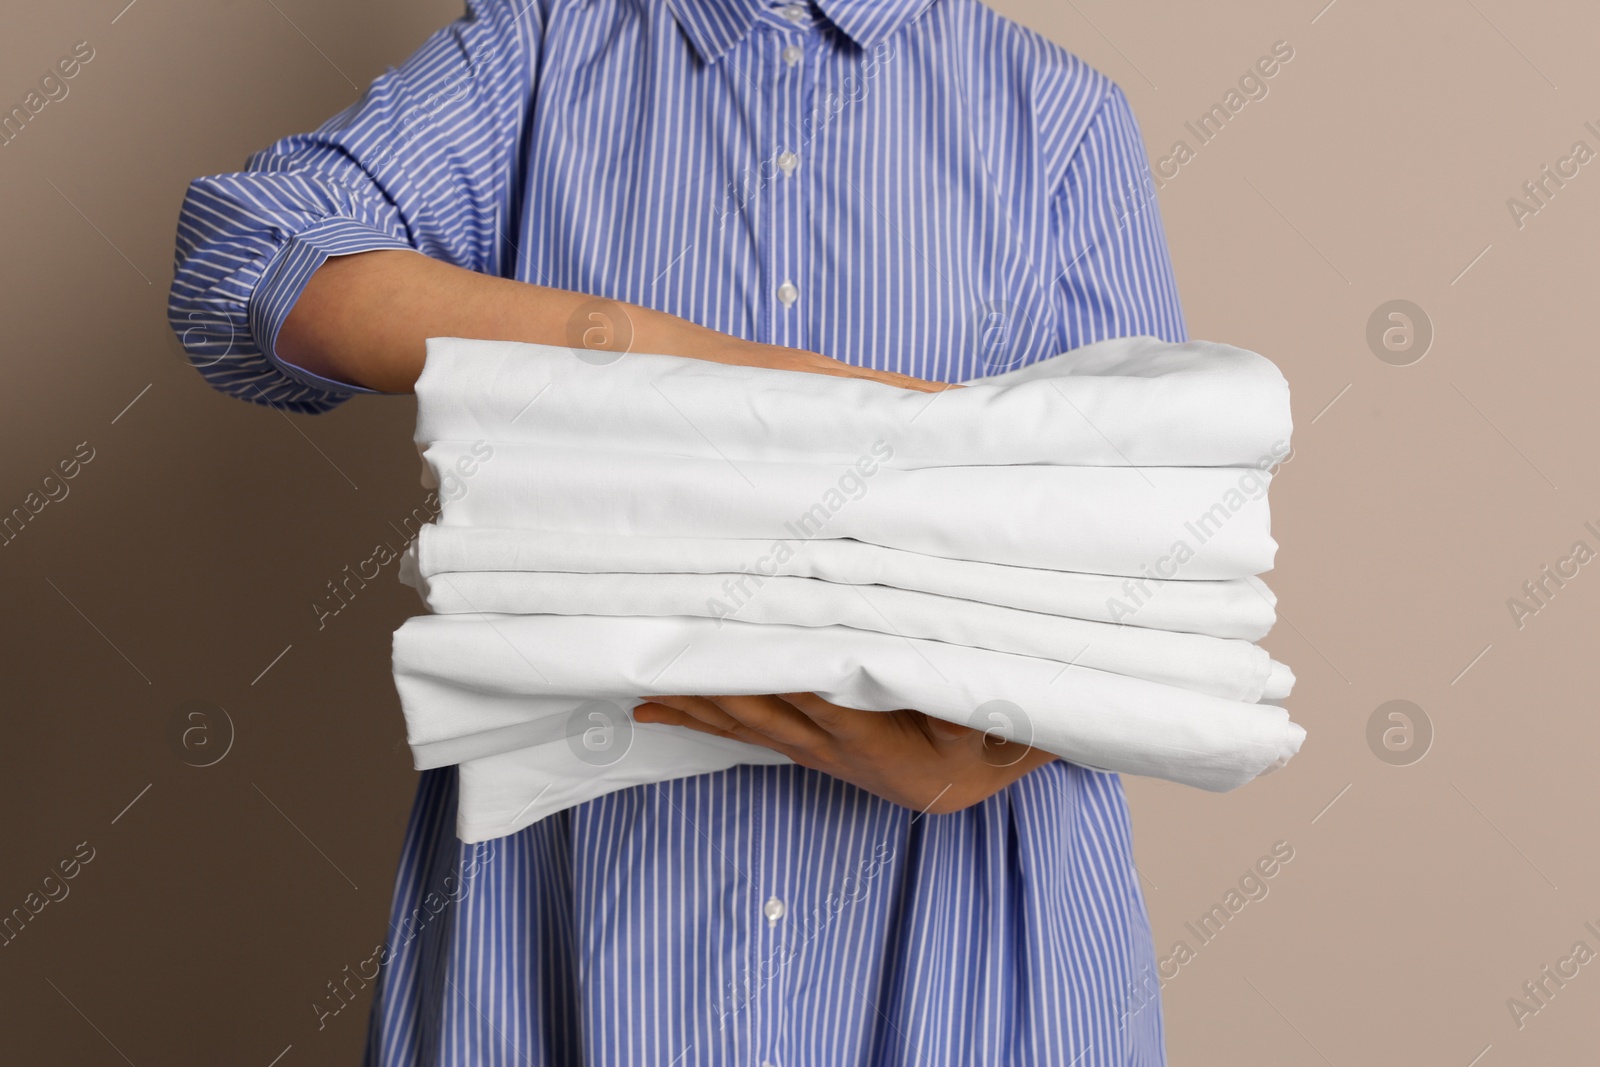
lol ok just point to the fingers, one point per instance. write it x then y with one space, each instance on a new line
652 711
832 719
778 357
1030 759
820 364
902 381
944 730
777 719
905 381
851 723
764 720
696 709
1001 754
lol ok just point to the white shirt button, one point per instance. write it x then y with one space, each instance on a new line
794 13
773 909
787 162
792 54
788 294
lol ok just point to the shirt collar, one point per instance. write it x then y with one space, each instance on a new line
715 26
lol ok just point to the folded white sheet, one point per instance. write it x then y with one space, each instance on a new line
1198 522
495 797
1132 401
465 684
1223 667
1239 607
1064 554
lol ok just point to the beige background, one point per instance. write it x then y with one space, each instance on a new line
1420 498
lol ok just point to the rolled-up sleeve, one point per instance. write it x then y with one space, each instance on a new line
426 161
1116 273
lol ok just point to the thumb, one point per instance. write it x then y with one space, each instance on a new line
944 730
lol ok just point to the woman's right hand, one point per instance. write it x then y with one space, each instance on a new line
751 354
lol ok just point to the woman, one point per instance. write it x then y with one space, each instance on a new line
915 191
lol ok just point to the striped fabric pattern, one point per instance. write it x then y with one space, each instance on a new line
912 186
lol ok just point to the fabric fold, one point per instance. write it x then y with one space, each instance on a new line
1198 522
1223 667
1239 607
445 667
1131 401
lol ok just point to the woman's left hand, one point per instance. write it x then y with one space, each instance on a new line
907 757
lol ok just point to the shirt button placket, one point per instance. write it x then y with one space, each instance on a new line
788 224
773 960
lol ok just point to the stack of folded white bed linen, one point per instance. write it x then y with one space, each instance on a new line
1065 555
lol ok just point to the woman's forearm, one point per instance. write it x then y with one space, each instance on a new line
363 319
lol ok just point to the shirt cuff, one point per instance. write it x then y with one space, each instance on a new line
285 278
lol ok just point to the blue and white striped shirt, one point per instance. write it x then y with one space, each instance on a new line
909 185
